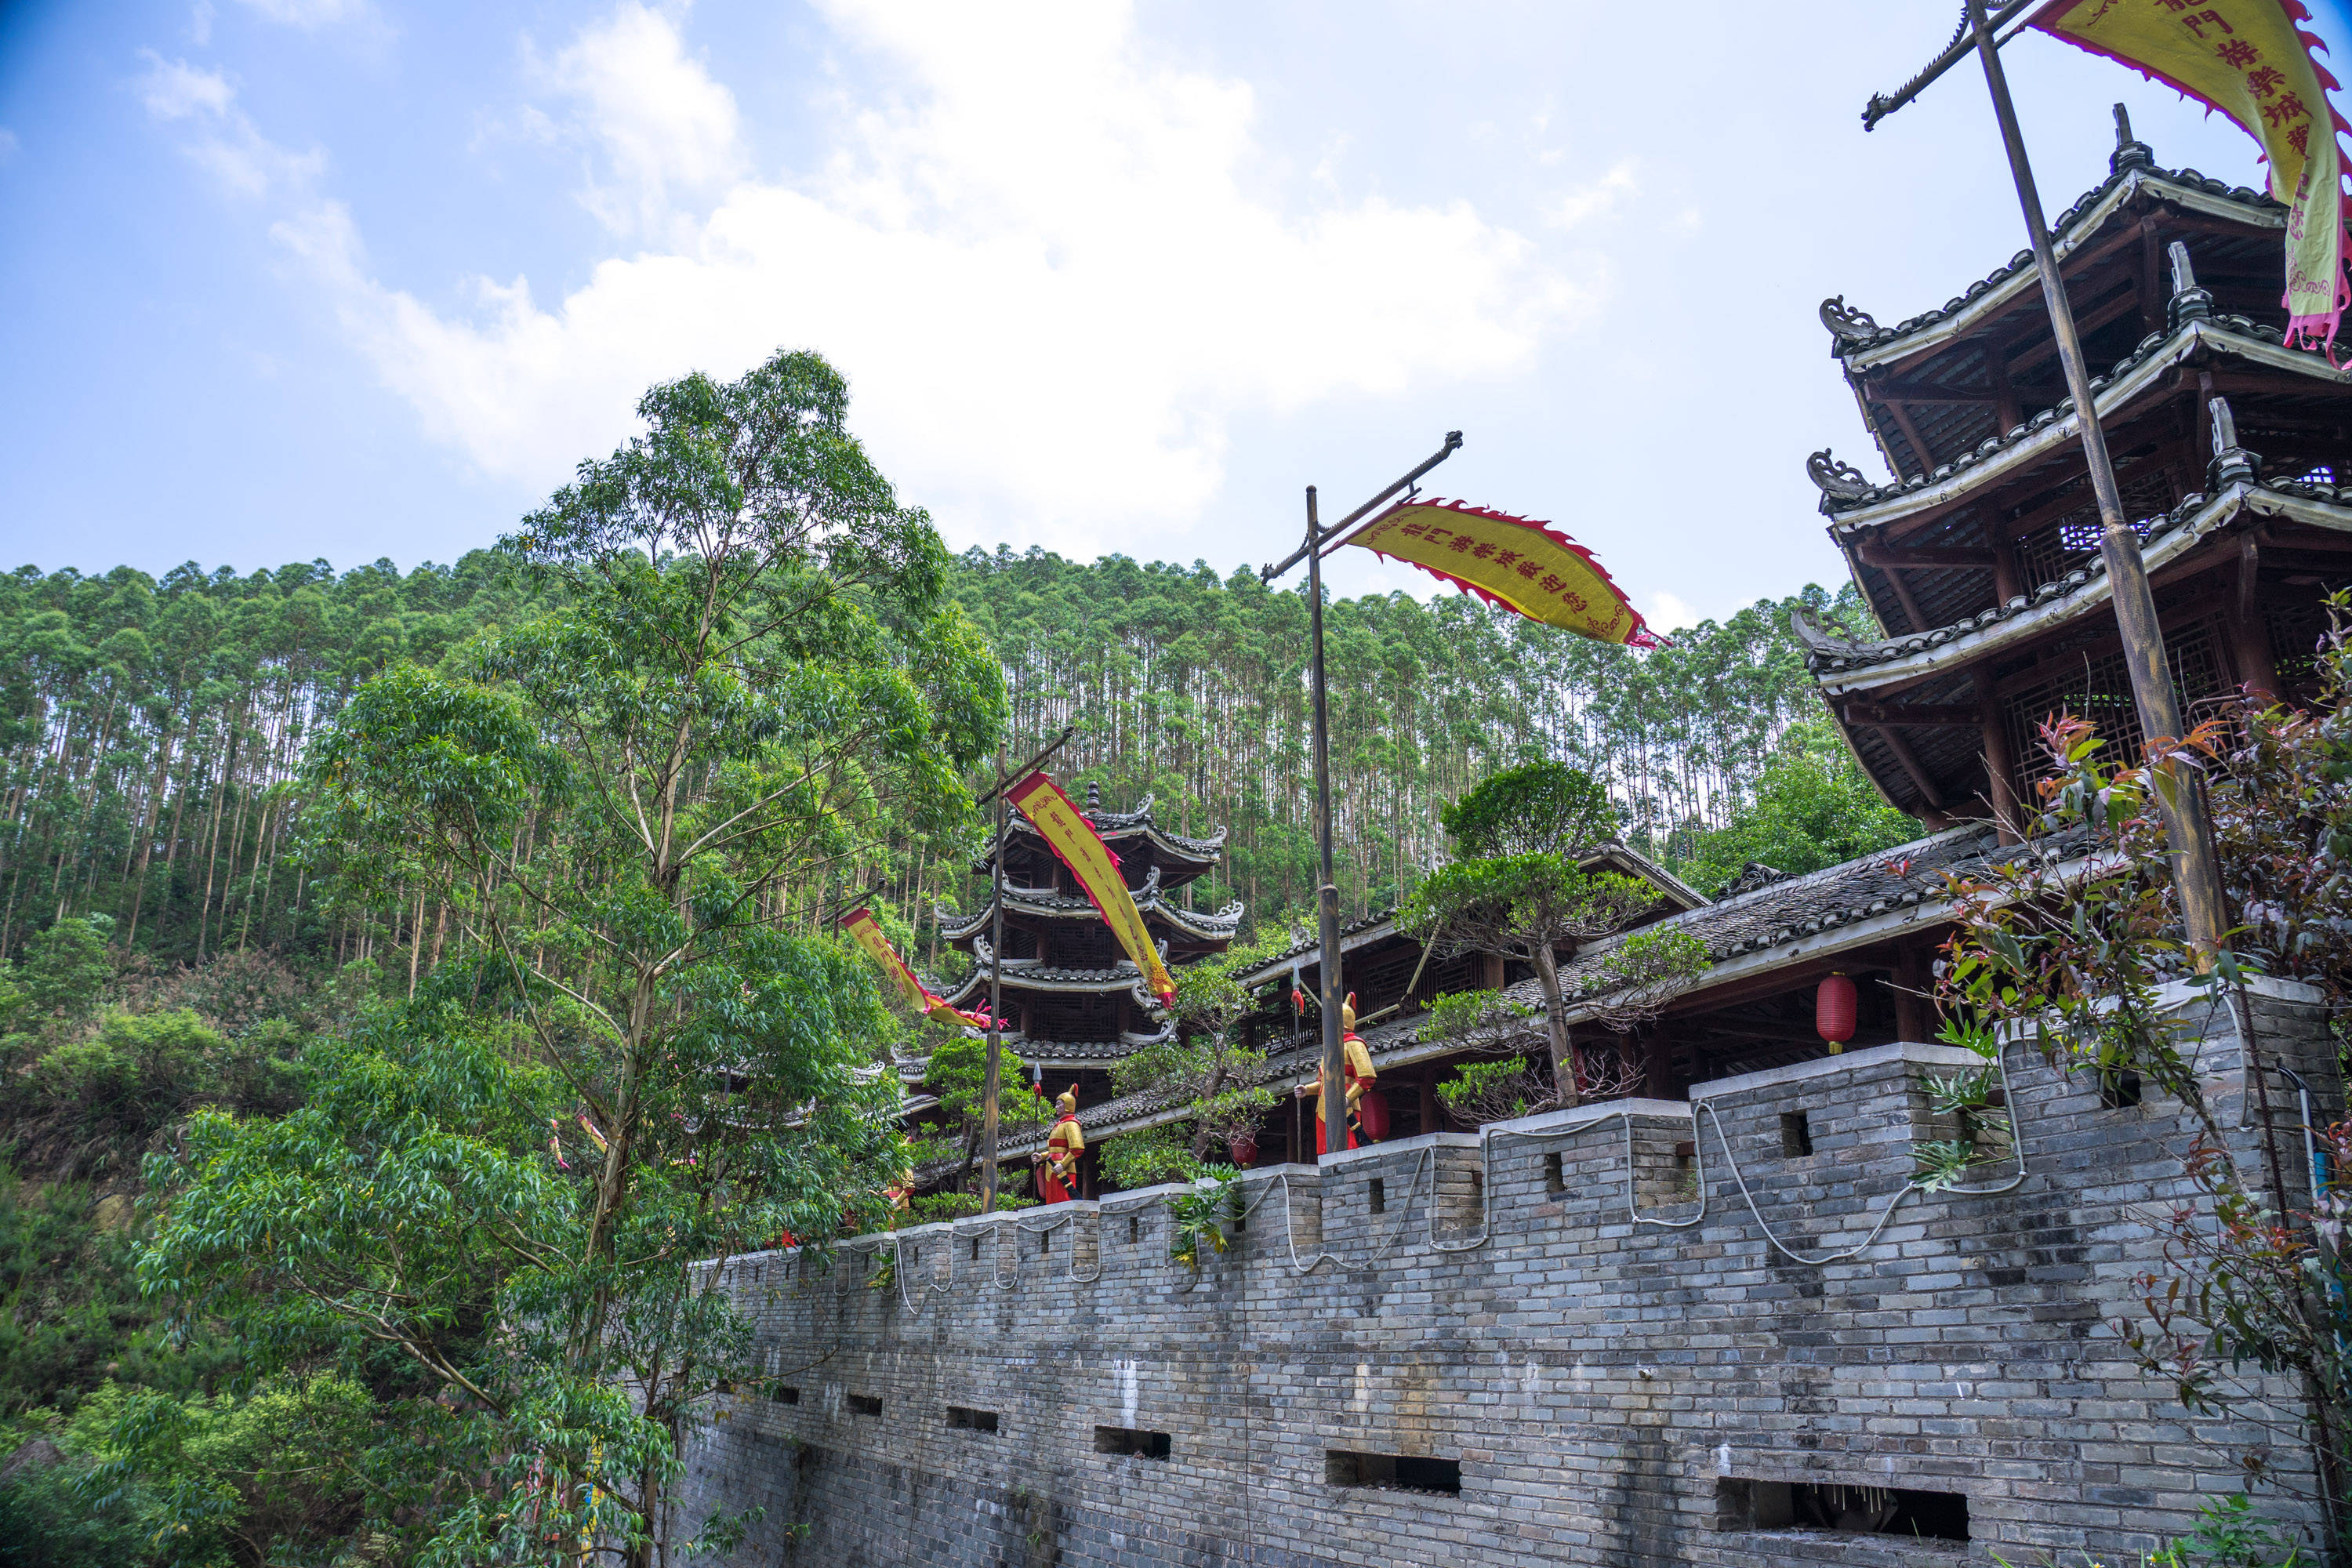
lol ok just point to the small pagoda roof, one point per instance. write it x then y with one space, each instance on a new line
1045 903
1116 826
1843 665
1031 974
1857 507
1861 344
1055 1053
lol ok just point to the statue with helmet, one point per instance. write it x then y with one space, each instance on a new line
1058 1166
1361 1079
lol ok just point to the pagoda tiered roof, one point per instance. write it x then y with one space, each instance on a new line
1048 903
1041 974
1847 665
1859 508
1979 556
1178 857
2098 216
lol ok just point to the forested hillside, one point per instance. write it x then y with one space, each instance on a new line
282 850
154 729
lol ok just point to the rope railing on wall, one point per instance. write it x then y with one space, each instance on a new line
906 1254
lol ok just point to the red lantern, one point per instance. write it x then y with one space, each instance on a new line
1244 1149
1833 1011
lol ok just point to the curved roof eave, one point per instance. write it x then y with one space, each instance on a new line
2079 593
2075 228
2056 429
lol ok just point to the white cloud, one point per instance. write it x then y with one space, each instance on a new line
1053 267
7 144
199 23
175 89
1666 613
663 127
311 15
1598 199
219 136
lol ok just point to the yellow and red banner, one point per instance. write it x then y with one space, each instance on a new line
2252 61
1514 561
1072 838
861 924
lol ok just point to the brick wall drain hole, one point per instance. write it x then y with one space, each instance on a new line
1128 1440
866 1404
1394 1472
1852 1509
965 1420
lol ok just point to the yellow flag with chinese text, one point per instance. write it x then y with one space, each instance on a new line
1074 841
1514 561
2252 61
861 924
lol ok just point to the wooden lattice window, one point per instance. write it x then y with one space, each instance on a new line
2054 548
2097 686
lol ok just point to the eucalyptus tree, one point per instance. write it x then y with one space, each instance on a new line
502 1188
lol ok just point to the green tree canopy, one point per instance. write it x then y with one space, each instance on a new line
497 1198
1813 807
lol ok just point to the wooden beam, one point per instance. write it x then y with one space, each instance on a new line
2001 765
1658 1061
1919 448
1910 605
2005 410
2249 636
2006 583
1914 1006
1911 764
1923 391
1884 556
1960 715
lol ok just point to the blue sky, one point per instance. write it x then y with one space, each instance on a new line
289 279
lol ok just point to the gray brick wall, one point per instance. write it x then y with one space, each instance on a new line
1613 1391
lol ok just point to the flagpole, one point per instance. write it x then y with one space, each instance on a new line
1327 893
996 1002
2181 798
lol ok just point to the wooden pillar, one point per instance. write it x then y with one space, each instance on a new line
2250 639
1658 1062
2006 413
1490 971
1430 1112
2001 768
2006 584
1915 1012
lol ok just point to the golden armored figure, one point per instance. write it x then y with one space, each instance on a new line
1058 1167
1360 1078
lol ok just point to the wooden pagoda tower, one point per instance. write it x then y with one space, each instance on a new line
1979 558
1073 1003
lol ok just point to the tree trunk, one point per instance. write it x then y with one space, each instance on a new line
1563 1052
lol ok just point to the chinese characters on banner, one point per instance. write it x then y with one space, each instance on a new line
1513 562
862 925
1074 839
2252 61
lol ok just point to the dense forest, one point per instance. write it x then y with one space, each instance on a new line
508 885
154 730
